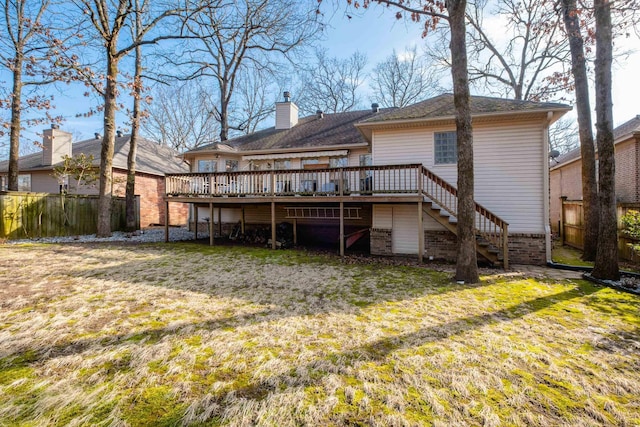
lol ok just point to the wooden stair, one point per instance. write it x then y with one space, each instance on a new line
483 246
440 203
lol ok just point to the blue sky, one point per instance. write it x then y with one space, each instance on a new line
375 32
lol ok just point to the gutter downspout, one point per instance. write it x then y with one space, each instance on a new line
547 195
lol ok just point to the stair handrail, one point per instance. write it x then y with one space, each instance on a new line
495 232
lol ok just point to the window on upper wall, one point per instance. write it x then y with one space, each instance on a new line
207 165
231 165
282 164
24 182
338 162
445 148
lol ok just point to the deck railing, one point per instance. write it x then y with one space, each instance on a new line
348 181
488 225
396 179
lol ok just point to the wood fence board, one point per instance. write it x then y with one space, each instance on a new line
27 215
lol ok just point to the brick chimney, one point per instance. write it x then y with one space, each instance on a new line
286 113
55 145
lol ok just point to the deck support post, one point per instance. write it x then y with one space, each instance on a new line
420 233
295 231
505 247
211 239
195 222
220 221
166 221
242 220
341 228
273 225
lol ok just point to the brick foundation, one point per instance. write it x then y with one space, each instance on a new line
527 249
441 245
381 242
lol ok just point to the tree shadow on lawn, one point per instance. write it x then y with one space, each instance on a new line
267 277
374 351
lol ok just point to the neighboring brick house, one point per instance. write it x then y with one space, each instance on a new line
387 174
153 161
566 171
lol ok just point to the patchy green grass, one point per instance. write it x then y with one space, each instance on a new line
182 334
563 254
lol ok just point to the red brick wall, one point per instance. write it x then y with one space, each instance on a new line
627 157
565 181
151 189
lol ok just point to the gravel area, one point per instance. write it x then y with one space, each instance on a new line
150 235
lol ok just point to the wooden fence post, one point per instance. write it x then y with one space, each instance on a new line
561 229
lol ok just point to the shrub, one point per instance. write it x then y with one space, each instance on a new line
631 227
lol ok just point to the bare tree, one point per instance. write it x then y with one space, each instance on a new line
432 12
181 116
331 84
130 199
606 264
30 52
229 37
404 79
107 20
563 135
530 64
572 24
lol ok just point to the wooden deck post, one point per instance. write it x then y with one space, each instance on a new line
341 228
505 247
242 220
295 231
195 221
220 221
211 239
561 227
420 233
166 221
273 225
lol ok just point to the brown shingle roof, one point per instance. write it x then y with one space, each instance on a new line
627 128
152 158
442 106
311 131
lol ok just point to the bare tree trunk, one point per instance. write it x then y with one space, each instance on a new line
108 142
14 136
130 198
130 192
606 265
467 262
587 149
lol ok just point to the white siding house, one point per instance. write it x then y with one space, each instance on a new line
396 168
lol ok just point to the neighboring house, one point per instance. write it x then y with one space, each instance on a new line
153 161
390 173
566 171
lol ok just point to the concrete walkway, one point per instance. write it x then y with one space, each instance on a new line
552 273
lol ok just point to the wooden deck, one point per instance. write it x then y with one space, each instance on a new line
410 183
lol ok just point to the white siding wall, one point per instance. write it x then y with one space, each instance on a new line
509 167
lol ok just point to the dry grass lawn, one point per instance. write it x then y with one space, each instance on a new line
182 334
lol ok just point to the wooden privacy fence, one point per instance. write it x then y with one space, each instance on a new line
27 215
572 227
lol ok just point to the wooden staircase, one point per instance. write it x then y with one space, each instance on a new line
440 203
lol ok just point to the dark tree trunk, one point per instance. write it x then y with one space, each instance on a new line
606 265
467 263
130 198
14 136
108 142
587 149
